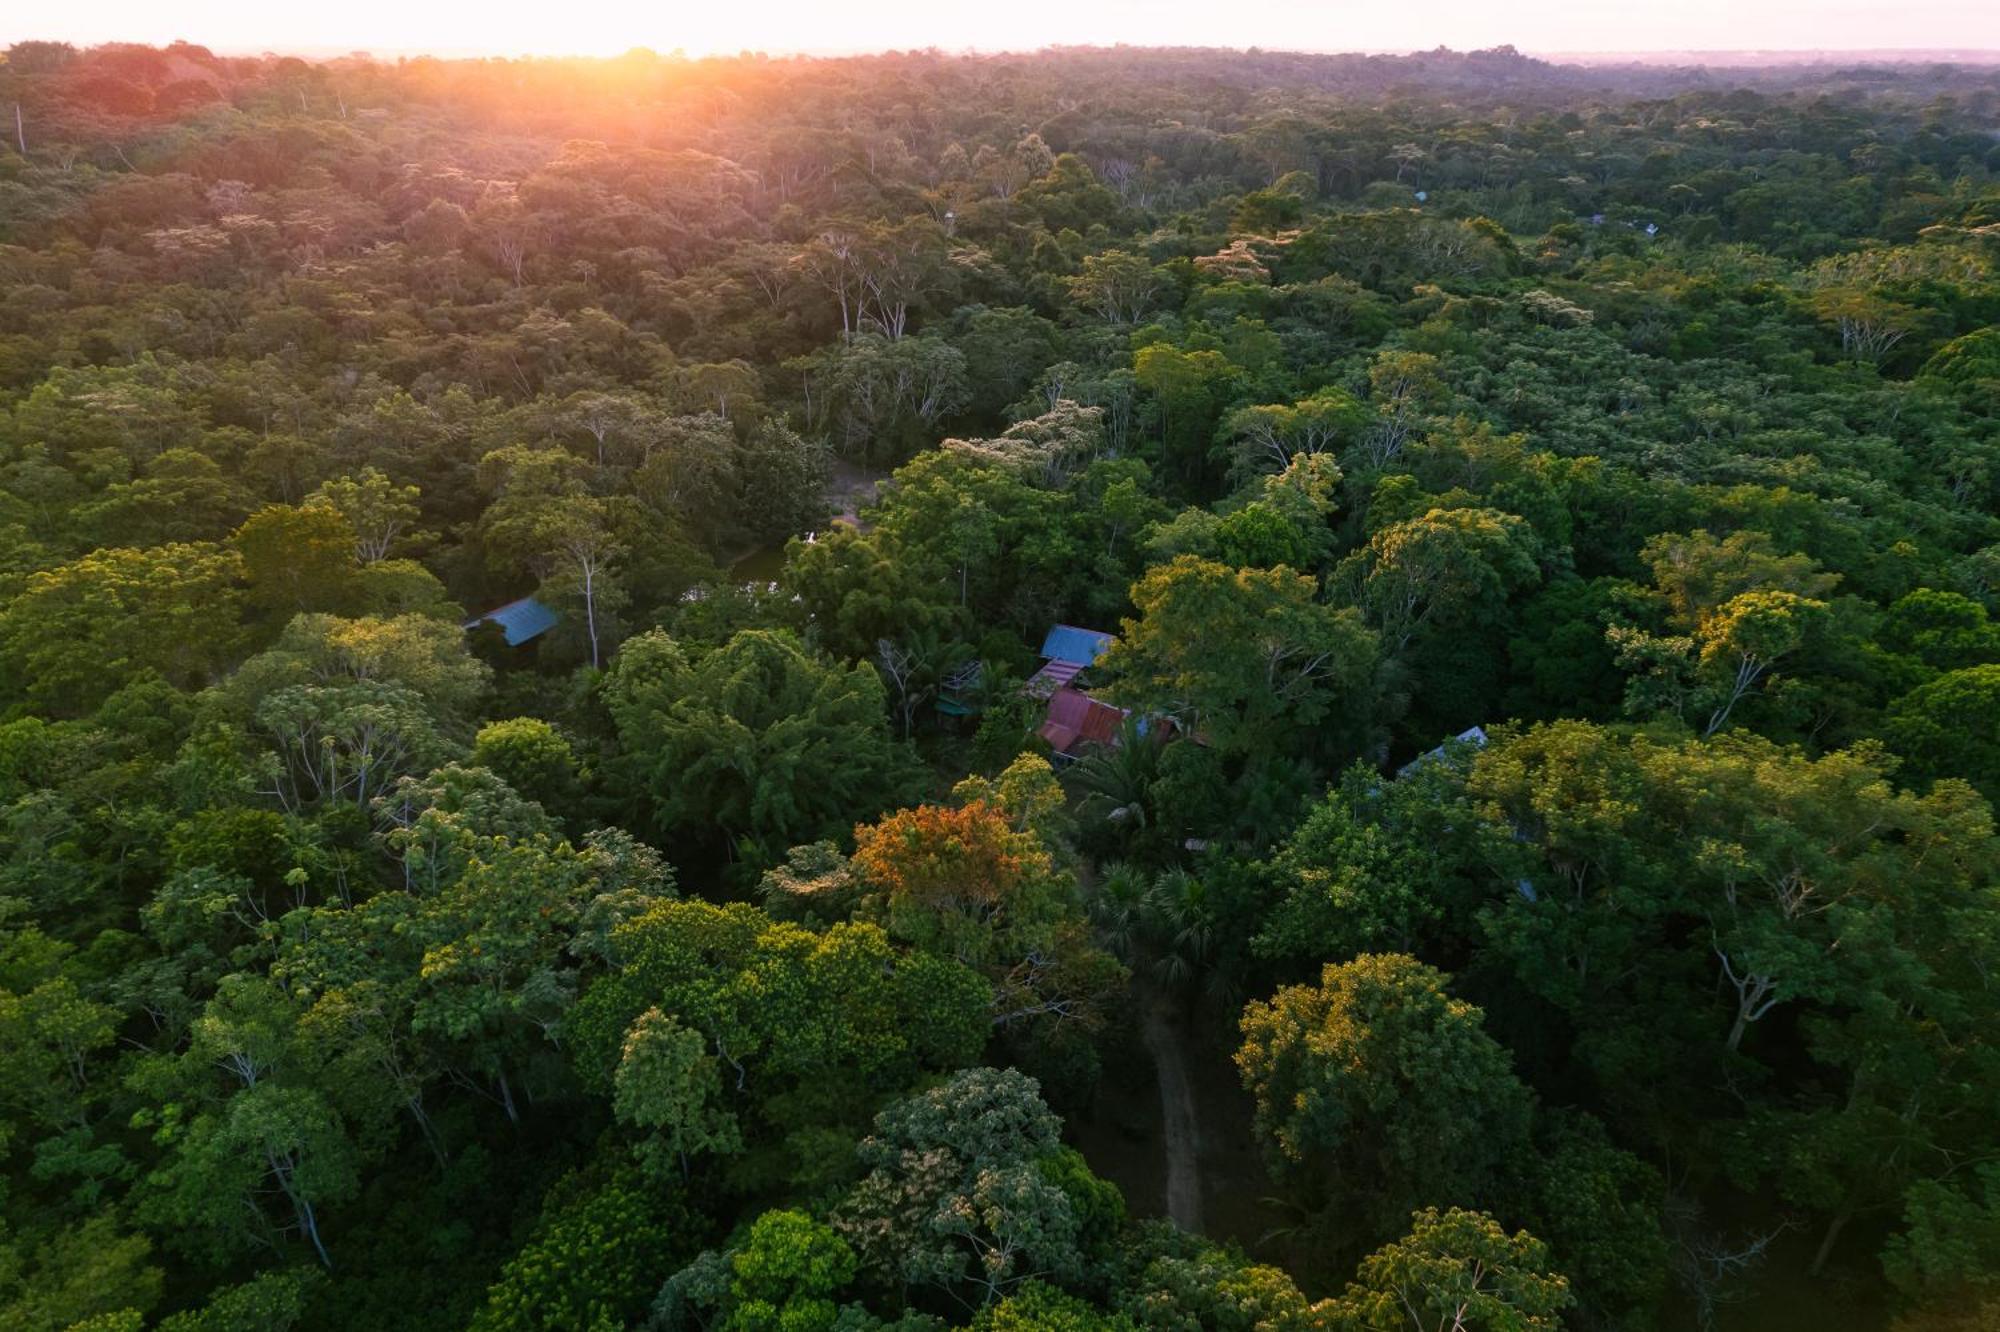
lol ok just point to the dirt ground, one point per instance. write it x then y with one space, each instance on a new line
1171 1127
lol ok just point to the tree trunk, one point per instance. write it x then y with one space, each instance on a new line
507 1098
1747 672
1832 1237
310 1224
415 1104
302 1207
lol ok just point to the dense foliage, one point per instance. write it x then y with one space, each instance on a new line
734 954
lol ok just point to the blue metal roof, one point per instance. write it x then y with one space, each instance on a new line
1079 647
520 620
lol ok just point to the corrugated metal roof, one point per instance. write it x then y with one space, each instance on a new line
1060 737
1101 723
1068 643
520 620
1050 678
1075 716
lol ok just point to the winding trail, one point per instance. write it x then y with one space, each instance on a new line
1179 1124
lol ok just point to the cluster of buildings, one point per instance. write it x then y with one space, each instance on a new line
1075 718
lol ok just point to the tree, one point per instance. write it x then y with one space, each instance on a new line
1046 449
436 825
256 1169
756 739
298 559
1039 1307
969 884
1406 387
949 875
1117 284
54 1034
955 513
668 1083
381 513
816 885
470 975
531 756
182 495
271 1302
1376 866
1376 1090
1929 631
1949 1251
1870 324
689 472
1950 727
418 653
879 397
786 1273
601 1247
857 594
1740 607
1180 1283
1698 573
1967 359
1745 637
72 635
1440 568
1603 1212
1189 388
808 1028
720 385
87 1275
1694 889
1244 657
1269 436
957 1195
620 421
784 479
1456 1271
498 962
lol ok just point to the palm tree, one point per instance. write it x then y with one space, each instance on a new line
1180 927
1162 923
1117 783
1117 907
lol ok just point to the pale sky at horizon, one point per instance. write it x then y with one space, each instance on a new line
605 27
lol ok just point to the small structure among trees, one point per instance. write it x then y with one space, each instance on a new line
520 621
1076 717
1067 651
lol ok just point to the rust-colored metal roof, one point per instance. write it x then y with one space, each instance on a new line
1060 737
1075 716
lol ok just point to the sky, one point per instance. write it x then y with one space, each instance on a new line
702 27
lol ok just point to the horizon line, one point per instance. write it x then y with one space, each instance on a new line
1742 56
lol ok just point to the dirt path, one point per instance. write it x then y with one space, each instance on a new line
1179 1125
